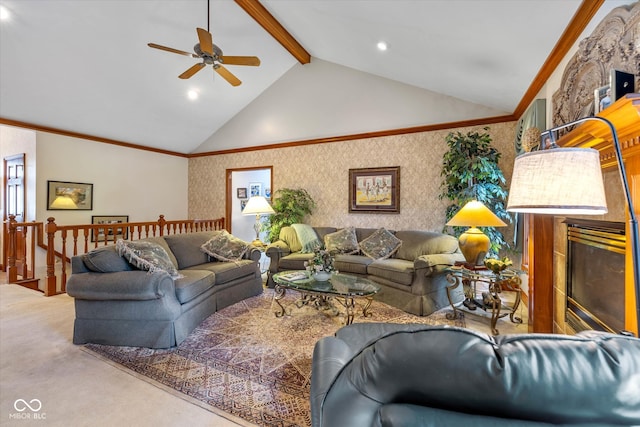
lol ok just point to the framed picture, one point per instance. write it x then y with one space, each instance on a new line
109 234
374 190
255 189
267 193
242 193
243 204
63 195
602 98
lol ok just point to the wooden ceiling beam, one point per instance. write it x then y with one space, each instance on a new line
262 16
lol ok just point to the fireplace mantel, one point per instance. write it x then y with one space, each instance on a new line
545 268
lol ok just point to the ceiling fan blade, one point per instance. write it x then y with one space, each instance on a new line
191 71
206 42
226 74
241 60
170 49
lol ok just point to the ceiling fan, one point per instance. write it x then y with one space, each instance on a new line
211 55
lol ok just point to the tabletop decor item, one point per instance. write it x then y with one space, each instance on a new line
497 265
321 265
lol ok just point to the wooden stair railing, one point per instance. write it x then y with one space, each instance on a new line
65 241
21 255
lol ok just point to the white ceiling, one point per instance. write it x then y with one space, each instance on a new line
85 67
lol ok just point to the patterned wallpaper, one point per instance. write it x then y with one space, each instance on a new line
323 170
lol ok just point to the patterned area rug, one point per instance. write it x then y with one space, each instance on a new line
248 363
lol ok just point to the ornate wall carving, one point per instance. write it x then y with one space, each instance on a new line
614 44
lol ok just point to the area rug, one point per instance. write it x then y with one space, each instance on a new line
245 362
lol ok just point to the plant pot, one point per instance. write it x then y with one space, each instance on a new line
322 276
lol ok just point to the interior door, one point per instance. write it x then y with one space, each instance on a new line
14 204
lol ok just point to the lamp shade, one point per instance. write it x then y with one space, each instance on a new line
258 205
558 181
63 202
475 214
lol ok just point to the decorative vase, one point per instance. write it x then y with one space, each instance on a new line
321 276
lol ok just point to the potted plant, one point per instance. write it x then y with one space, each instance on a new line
470 171
291 206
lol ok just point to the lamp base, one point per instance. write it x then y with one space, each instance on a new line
474 245
258 243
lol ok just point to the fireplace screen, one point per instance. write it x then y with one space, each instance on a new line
595 275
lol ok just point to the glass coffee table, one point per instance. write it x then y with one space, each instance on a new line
340 288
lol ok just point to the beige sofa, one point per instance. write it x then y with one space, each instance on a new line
412 279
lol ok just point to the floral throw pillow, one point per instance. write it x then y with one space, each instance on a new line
381 244
147 256
225 247
342 241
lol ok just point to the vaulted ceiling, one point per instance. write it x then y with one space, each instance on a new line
84 67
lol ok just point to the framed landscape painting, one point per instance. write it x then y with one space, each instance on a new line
374 190
112 233
62 195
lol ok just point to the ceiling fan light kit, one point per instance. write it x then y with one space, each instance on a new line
210 55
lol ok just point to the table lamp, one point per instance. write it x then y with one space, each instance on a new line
258 206
474 244
563 181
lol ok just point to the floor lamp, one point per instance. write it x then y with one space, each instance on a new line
258 206
562 181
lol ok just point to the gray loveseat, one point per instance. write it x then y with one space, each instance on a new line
412 279
415 375
118 304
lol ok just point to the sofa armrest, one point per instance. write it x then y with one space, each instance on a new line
253 253
276 251
436 263
123 285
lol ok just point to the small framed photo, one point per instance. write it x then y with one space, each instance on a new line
242 193
267 193
374 190
255 189
243 204
111 231
602 98
63 195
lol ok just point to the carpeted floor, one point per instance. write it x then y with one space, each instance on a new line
248 363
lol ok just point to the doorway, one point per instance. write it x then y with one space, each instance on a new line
241 185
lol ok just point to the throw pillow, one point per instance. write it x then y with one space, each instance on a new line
380 245
147 256
225 247
343 241
105 260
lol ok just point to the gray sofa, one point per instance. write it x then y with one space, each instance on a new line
409 375
412 279
118 304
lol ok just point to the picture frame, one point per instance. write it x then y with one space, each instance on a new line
599 95
255 189
64 195
267 193
112 234
243 204
374 190
242 193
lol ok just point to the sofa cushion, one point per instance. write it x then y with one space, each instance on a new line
416 243
193 283
290 237
393 269
186 247
225 247
228 271
342 241
105 260
160 241
351 263
380 245
294 261
146 255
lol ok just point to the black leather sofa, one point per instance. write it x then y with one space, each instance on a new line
414 375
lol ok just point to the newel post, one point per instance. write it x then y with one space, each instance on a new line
12 271
162 222
50 229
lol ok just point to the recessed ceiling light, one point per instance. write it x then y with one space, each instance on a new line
192 94
382 46
4 13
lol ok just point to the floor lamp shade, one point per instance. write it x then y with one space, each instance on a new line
558 181
474 244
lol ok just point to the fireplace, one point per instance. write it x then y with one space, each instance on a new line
595 275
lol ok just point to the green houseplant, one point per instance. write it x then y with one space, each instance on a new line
291 206
470 171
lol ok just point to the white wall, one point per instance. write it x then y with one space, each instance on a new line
126 181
